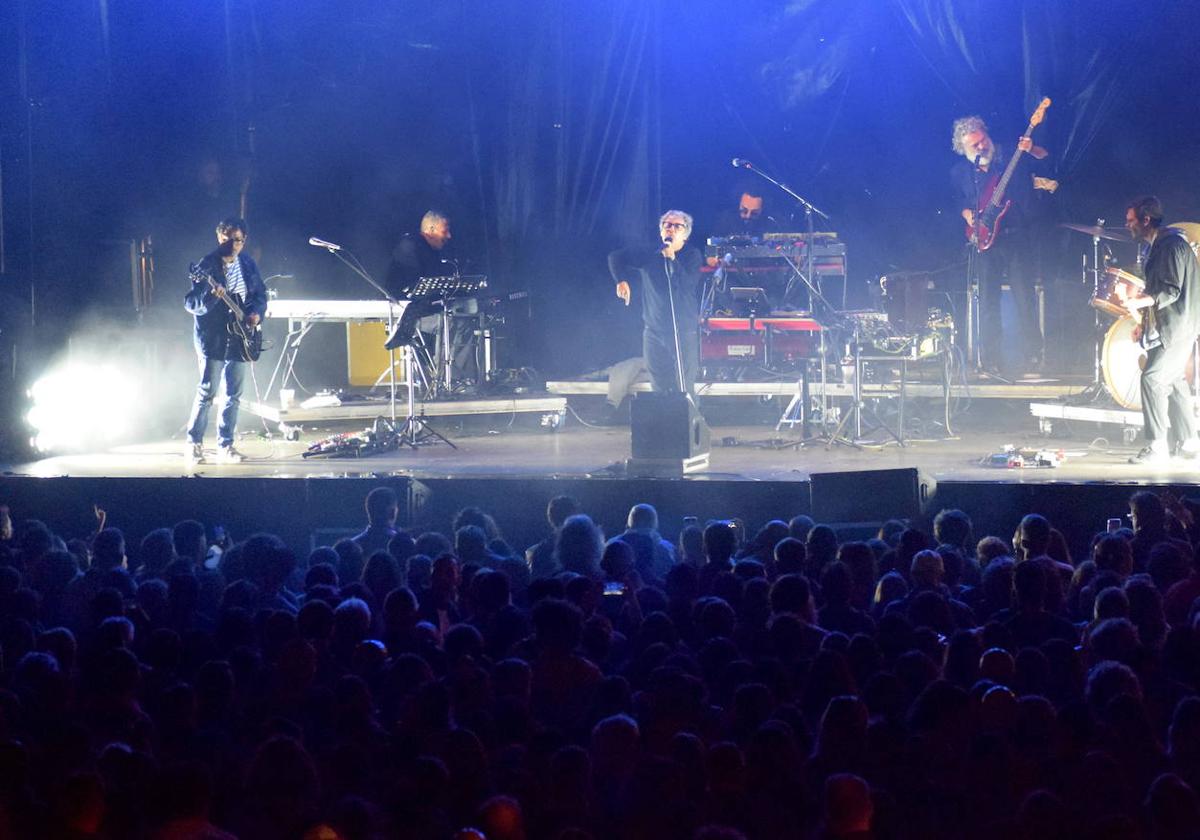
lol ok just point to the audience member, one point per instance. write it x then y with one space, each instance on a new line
801 687
383 509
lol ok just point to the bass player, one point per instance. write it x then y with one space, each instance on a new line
222 350
1010 255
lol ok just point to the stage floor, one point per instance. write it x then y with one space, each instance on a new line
739 452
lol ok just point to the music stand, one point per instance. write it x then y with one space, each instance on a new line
405 337
444 290
416 430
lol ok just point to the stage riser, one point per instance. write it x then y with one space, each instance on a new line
296 509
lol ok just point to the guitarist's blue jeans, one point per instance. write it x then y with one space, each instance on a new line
212 372
1166 402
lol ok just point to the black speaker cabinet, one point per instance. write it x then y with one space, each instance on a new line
868 496
669 435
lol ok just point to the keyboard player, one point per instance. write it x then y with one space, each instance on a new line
428 253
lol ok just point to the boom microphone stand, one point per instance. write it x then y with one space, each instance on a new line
357 267
809 210
808 277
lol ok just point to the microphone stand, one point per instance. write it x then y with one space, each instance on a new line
668 270
352 262
974 299
813 289
809 210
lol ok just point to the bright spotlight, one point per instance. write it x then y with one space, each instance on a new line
80 405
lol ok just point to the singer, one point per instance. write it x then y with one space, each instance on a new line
667 275
1012 257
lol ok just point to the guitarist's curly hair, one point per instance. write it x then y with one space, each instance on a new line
964 126
227 226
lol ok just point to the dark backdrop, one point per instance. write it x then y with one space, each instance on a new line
552 131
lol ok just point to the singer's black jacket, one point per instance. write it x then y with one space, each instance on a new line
646 270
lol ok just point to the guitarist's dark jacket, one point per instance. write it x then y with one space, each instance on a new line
212 335
1173 280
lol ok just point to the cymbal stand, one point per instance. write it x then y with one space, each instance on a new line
1096 387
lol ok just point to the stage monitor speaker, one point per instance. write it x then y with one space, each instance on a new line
870 495
669 434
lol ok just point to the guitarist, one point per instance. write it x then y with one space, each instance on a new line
1012 255
1172 295
223 274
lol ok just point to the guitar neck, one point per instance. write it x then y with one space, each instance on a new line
229 301
1002 185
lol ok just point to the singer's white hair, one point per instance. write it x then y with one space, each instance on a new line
964 126
687 219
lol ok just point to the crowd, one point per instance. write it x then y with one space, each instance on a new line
783 684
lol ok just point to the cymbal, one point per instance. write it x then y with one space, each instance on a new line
1116 234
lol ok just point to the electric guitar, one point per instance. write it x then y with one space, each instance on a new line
248 336
992 206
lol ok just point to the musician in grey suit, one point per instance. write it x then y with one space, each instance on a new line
1172 299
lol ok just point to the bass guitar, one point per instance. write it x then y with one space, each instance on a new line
248 336
992 205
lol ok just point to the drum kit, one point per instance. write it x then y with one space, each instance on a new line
1119 355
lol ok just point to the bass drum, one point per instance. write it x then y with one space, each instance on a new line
1122 361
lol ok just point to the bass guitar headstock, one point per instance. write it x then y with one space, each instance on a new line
1038 115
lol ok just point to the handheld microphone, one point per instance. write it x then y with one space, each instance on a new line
321 243
978 158
741 163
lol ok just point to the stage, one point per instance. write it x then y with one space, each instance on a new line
513 468
739 453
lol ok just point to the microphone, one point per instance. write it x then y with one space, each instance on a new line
742 163
321 243
978 158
